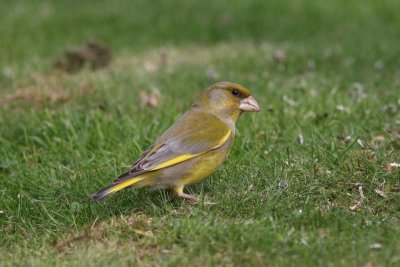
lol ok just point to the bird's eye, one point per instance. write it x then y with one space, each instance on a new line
235 92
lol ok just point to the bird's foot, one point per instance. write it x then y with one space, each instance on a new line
188 197
178 192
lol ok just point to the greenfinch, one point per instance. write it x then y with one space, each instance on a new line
194 147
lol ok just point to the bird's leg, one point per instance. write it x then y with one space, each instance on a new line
177 191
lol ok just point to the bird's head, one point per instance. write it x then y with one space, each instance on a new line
228 99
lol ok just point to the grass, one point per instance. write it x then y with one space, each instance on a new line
279 203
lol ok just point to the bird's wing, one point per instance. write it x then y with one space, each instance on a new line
200 137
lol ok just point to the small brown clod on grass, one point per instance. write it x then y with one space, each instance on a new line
94 55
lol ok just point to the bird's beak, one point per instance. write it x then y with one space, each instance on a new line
249 104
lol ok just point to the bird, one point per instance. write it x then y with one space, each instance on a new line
193 148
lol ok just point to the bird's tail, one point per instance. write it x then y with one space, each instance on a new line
114 187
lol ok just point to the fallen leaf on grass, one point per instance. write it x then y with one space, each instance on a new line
381 193
151 100
279 56
150 66
345 139
249 189
359 202
289 101
300 139
310 115
357 92
342 108
360 143
212 75
378 139
375 246
391 166
390 108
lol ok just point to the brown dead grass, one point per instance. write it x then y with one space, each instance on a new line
58 87
92 54
136 228
46 89
154 60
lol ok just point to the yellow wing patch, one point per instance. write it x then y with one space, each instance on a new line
174 161
223 140
185 157
124 184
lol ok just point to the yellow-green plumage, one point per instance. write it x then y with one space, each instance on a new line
194 147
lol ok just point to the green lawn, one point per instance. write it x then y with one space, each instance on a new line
326 70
